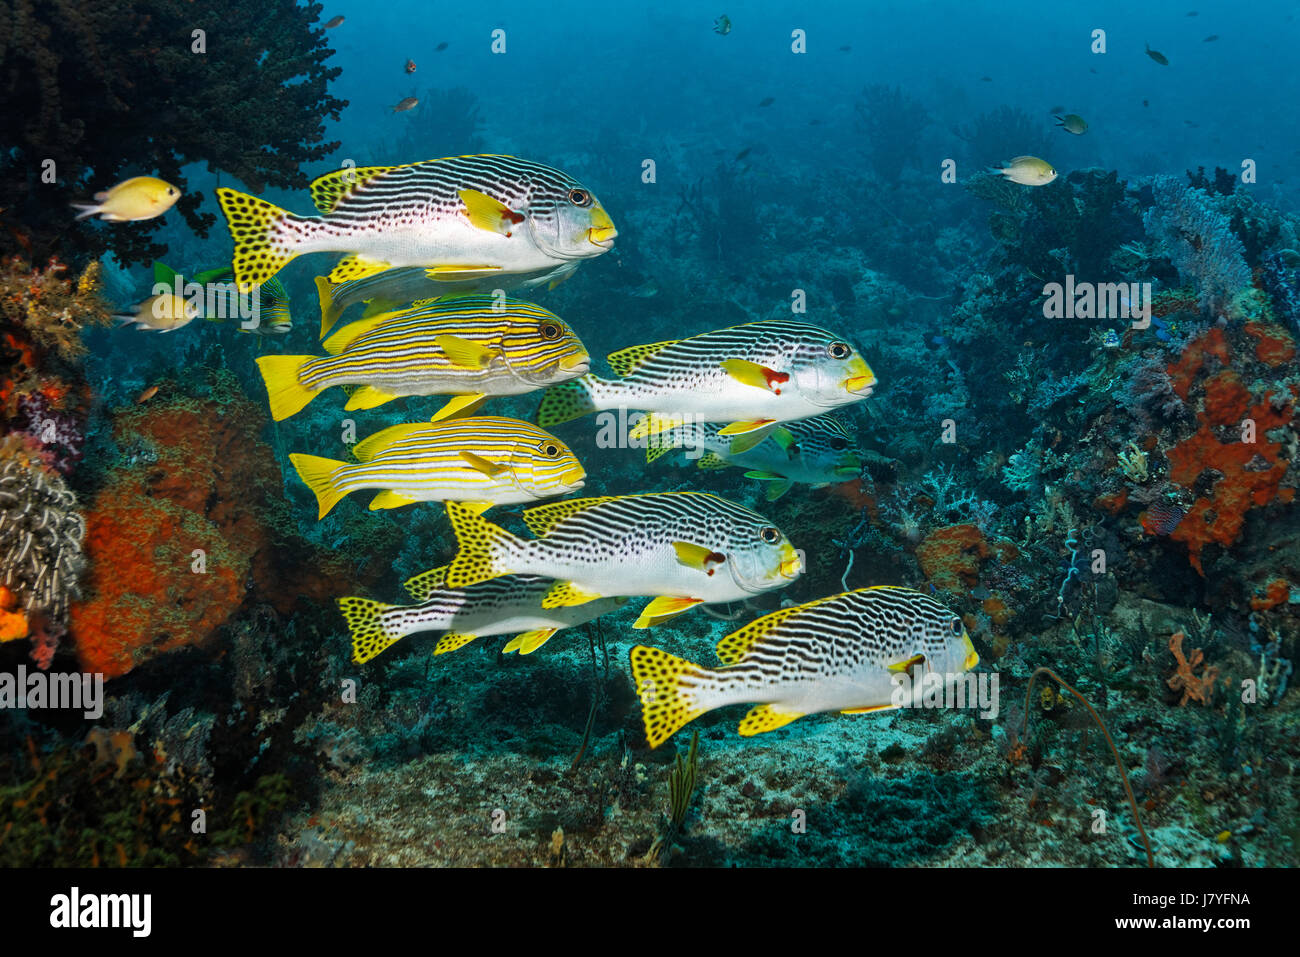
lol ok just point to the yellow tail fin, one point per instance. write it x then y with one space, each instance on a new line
287 394
318 475
329 312
482 548
251 222
667 701
365 621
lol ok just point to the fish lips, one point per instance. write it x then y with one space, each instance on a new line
862 385
602 236
577 364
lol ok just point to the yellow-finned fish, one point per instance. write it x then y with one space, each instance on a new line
503 606
470 348
140 197
394 288
817 451
1028 171
481 461
165 313
463 217
840 653
687 548
753 376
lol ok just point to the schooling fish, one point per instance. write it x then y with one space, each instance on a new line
1072 123
752 376
481 461
406 103
394 288
1157 56
140 197
688 548
334 22
840 653
471 348
816 451
1028 171
463 217
503 606
272 317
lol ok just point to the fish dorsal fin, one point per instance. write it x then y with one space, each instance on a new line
353 331
737 645
626 361
541 519
327 190
421 586
372 445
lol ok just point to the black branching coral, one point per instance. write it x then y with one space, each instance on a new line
120 88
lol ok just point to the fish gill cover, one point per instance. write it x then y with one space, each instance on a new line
791 448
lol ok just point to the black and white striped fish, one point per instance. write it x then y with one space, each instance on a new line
462 217
687 548
816 451
753 376
472 348
502 606
840 653
482 461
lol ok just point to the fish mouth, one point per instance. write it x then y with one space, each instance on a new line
579 363
602 236
574 478
791 562
972 656
860 384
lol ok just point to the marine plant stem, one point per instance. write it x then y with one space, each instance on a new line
1119 763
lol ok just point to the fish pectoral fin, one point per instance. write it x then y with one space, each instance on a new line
356 267
745 435
753 374
367 397
699 557
451 641
458 273
390 499
764 718
490 469
777 489
458 406
529 641
907 664
489 214
871 710
663 608
464 352
568 594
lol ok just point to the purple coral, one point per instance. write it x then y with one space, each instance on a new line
60 434
1199 241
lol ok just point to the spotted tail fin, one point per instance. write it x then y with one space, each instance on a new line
365 619
668 687
567 401
252 222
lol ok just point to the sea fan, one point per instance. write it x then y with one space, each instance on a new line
1200 243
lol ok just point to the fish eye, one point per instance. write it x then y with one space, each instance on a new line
550 330
579 197
550 450
839 350
838 444
957 626
769 534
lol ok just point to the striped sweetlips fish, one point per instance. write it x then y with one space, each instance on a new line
816 451
840 653
394 288
482 461
686 548
503 606
471 348
753 377
462 217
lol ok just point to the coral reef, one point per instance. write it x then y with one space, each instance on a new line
101 94
1201 244
892 122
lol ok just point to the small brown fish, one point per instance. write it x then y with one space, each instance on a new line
410 66
743 153
768 101
986 79
334 22
1157 56
1146 102
846 48
146 395
441 46
1211 38
408 103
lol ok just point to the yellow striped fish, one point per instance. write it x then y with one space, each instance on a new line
840 653
502 606
394 288
753 376
482 462
471 348
686 548
462 217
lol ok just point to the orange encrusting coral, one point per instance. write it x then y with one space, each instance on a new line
1194 687
13 623
1275 347
1277 592
1183 372
951 556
